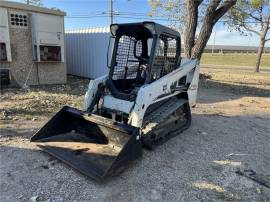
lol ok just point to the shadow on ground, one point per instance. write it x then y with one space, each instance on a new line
11 132
228 91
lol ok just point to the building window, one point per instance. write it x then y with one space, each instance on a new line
18 19
3 52
50 53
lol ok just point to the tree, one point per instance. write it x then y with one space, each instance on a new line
189 14
242 16
174 11
34 2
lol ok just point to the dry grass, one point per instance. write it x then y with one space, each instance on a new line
42 101
237 79
243 77
235 59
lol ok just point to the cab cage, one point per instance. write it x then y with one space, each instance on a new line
142 53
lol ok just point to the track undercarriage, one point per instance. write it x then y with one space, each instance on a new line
170 119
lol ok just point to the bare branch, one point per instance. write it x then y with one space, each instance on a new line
267 40
254 17
261 15
250 30
268 18
267 26
223 9
248 13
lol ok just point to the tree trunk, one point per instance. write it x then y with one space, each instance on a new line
191 26
264 29
202 40
206 30
259 55
213 13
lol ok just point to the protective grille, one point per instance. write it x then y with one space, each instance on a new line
126 63
165 58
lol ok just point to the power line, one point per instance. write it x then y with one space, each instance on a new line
134 15
138 18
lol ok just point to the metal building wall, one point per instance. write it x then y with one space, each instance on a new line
86 52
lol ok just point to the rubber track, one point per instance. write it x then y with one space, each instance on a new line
161 114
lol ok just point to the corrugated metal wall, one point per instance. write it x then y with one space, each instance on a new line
86 52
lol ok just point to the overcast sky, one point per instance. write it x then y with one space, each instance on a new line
94 13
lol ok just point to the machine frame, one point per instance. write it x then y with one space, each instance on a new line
149 104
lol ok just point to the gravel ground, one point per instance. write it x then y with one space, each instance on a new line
229 131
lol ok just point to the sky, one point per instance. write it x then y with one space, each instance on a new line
94 13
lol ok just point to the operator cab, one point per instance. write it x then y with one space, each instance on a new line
142 53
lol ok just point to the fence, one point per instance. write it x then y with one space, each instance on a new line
86 52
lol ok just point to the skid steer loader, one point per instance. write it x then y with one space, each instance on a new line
143 101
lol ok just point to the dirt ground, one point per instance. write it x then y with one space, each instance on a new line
229 132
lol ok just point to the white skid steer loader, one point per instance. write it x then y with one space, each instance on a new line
143 101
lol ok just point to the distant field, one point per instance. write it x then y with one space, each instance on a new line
234 59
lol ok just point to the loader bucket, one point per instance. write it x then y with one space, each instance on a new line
96 146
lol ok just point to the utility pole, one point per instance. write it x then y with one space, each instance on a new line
213 46
28 2
111 11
